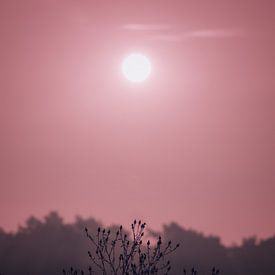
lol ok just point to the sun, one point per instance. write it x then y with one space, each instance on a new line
136 67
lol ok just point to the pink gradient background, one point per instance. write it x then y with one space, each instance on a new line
194 144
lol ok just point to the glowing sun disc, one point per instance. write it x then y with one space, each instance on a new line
136 67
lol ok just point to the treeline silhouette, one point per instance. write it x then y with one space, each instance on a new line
47 246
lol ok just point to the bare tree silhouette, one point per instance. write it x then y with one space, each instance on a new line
120 254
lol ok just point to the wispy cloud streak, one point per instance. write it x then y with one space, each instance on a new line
147 27
199 34
167 32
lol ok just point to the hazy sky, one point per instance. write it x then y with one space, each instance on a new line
193 144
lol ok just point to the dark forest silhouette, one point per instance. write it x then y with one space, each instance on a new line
46 247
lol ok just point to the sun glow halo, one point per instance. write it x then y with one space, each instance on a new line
136 67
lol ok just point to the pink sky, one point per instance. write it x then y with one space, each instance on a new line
193 144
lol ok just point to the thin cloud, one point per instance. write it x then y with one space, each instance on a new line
199 34
167 32
146 27
215 33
